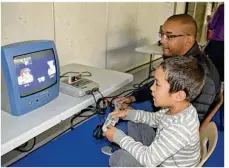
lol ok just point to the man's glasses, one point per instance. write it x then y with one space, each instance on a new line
169 37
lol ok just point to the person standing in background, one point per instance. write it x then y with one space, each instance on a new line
209 32
215 46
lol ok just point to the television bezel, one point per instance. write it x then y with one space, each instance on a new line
18 105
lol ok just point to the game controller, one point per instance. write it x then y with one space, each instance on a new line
110 120
117 105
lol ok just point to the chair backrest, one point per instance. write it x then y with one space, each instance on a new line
209 117
208 134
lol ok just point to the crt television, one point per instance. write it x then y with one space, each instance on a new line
29 75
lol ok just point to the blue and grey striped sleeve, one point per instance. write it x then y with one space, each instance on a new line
167 143
150 118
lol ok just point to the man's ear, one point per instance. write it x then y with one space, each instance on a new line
189 40
180 96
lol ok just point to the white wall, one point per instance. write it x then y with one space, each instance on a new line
81 33
180 8
26 21
97 34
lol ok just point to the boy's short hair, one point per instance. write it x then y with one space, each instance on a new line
184 74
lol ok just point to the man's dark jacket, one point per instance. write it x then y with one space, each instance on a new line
210 90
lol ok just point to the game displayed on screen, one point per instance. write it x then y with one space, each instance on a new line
35 71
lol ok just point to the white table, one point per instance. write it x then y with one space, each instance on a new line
151 49
16 130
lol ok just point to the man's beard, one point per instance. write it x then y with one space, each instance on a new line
165 57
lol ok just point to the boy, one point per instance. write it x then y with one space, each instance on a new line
178 80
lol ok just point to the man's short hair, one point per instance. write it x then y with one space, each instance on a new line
184 74
188 20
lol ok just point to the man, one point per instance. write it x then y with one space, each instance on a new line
178 38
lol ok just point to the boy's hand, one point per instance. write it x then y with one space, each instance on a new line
110 133
119 114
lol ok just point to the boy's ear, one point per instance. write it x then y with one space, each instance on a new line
180 96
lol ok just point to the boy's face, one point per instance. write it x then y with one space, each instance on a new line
160 90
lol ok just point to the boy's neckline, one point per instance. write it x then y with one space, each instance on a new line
178 112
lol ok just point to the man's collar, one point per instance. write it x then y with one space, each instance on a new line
194 50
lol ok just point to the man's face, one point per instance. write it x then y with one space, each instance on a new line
173 39
160 90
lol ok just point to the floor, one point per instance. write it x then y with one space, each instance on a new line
78 148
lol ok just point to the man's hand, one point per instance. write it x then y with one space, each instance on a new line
126 100
109 134
125 106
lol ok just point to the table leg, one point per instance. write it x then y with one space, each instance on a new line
150 67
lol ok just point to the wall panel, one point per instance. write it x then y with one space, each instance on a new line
26 21
80 30
148 27
98 34
121 35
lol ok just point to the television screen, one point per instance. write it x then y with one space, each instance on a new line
35 71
